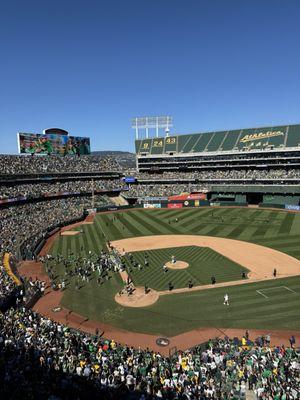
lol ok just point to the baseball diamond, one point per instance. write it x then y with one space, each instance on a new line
193 308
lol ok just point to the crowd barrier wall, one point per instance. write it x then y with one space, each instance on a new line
10 268
271 205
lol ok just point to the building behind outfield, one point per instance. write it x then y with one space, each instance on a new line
265 149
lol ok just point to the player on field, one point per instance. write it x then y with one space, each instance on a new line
226 300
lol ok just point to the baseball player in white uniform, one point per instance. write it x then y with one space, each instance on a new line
226 300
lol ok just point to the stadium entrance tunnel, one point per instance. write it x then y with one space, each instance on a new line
254 198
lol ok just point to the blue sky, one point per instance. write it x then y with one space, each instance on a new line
90 66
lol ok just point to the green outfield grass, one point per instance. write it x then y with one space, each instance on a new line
203 264
177 313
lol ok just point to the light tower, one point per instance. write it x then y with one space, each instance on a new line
157 123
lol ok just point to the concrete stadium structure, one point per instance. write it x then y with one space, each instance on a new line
266 150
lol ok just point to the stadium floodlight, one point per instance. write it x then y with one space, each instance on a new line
162 122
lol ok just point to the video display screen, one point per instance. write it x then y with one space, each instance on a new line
31 143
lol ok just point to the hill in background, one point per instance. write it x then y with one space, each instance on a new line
124 158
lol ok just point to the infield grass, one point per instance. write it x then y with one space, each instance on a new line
203 264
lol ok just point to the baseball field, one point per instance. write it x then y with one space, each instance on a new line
265 303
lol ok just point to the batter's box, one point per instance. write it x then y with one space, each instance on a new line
270 292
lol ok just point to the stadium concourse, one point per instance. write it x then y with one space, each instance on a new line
40 195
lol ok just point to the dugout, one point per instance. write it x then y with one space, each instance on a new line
254 198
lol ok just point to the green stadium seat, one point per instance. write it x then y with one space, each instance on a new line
216 141
230 140
293 139
190 141
204 138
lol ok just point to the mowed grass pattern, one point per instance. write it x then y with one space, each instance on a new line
177 313
203 264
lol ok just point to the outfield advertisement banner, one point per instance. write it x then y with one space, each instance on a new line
158 198
35 143
191 196
154 205
175 205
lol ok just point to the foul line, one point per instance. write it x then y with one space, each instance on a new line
272 288
291 290
259 292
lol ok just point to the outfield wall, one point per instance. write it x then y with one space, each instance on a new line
272 189
266 195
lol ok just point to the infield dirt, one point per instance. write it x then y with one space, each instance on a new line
259 260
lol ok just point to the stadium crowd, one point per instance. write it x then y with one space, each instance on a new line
219 174
36 190
153 190
28 222
40 358
7 284
35 164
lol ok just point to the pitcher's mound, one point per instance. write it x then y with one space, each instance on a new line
177 265
70 233
138 298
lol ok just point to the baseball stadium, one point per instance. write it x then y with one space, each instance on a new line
197 247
